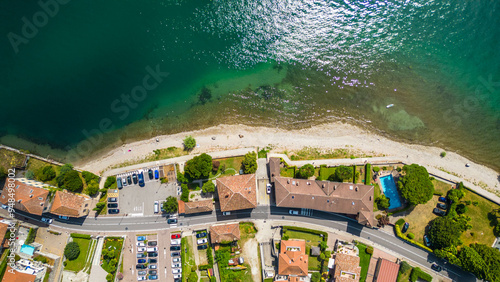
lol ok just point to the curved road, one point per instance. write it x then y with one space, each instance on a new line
335 221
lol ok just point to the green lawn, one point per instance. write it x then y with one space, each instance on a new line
312 240
325 172
364 261
9 159
361 170
287 172
376 193
187 257
404 276
311 153
232 166
78 264
247 230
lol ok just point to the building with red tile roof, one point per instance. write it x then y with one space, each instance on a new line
224 233
292 259
237 192
27 198
386 271
346 268
70 204
195 207
12 275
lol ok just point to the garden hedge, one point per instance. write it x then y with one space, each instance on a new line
368 175
400 221
83 236
417 273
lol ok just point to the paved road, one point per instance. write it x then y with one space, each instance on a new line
121 224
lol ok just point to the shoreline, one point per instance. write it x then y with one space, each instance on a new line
326 136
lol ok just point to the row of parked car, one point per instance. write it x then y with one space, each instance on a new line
113 206
136 177
175 253
147 259
202 240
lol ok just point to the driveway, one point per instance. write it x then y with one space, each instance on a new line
139 201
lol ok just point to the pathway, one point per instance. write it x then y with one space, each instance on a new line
97 273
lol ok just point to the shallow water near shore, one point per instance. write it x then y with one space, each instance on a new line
273 63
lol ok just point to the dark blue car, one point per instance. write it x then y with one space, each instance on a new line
141 261
141 179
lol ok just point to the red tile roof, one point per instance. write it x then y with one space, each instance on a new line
224 233
237 192
387 271
292 258
274 167
199 206
69 204
12 275
28 198
346 198
346 268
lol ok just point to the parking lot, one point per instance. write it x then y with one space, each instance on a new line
135 200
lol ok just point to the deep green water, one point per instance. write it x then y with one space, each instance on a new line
278 63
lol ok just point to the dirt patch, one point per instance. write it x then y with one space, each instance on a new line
69 276
251 257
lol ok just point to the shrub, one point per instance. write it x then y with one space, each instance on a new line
369 250
400 221
368 175
343 173
92 188
443 154
46 173
285 237
189 143
208 187
72 181
400 235
72 250
110 180
89 176
417 273
29 174
185 193
404 267
31 236
411 236
306 171
475 203
376 169
249 163
83 236
438 193
215 166
316 276
163 180
461 209
382 202
109 277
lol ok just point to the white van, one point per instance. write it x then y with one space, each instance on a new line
157 207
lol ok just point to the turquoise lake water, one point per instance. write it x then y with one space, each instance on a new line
277 63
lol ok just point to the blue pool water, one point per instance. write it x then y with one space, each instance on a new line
390 191
29 250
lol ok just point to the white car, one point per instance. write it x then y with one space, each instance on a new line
294 212
268 188
226 213
47 220
178 275
176 259
141 278
141 249
176 270
202 241
175 242
141 244
152 266
177 265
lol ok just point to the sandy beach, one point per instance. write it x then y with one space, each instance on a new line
326 136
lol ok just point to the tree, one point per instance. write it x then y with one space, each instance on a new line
3 173
415 185
92 188
343 173
208 187
29 174
170 205
491 257
72 181
72 250
89 176
473 262
109 277
456 194
46 173
250 163
62 171
323 245
306 171
198 167
444 232
382 202
193 277
185 193
316 277
189 143
99 206
110 180
461 208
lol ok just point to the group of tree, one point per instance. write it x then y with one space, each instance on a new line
382 202
170 205
343 173
305 171
198 167
185 193
72 250
110 181
69 178
415 185
249 163
46 173
208 187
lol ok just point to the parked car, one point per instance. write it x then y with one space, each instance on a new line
268 188
114 211
177 280
134 178
112 205
142 272
176 265
201 241
141 261
442 199
176 270
152 272
175 242
202 247
293 212
177 275
176 259
129 180
152 243
152 266
152 261
141 249
150 174
171 220
427 241
226 213
112 200
5 207
177 236
153 277
175 254
141 238
152 249
141 278
436 267
141 255
141 244
201 235
441 206
175 248
141 179
63 217
157 174
439 212
405 227
47 220
152 254
140 266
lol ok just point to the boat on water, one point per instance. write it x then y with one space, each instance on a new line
389 106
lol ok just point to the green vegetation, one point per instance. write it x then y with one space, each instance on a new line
316 277
404 272
198 167
3 264
364 260
228 166
288 171
89 177
417 273
342 173
325 172
368 174
187 257
31 236
262 154
305 171
382 202
399 234
78 263
415 186
92 188
110 255
72 250
311 153
10 159
82 236
170 205
223 256
249 163
443 154
313 238
110 181
46 173
185 193
189 143
208 187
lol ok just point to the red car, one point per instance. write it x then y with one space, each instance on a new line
176 236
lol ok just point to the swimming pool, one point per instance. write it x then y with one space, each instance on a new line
29 250
390 191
